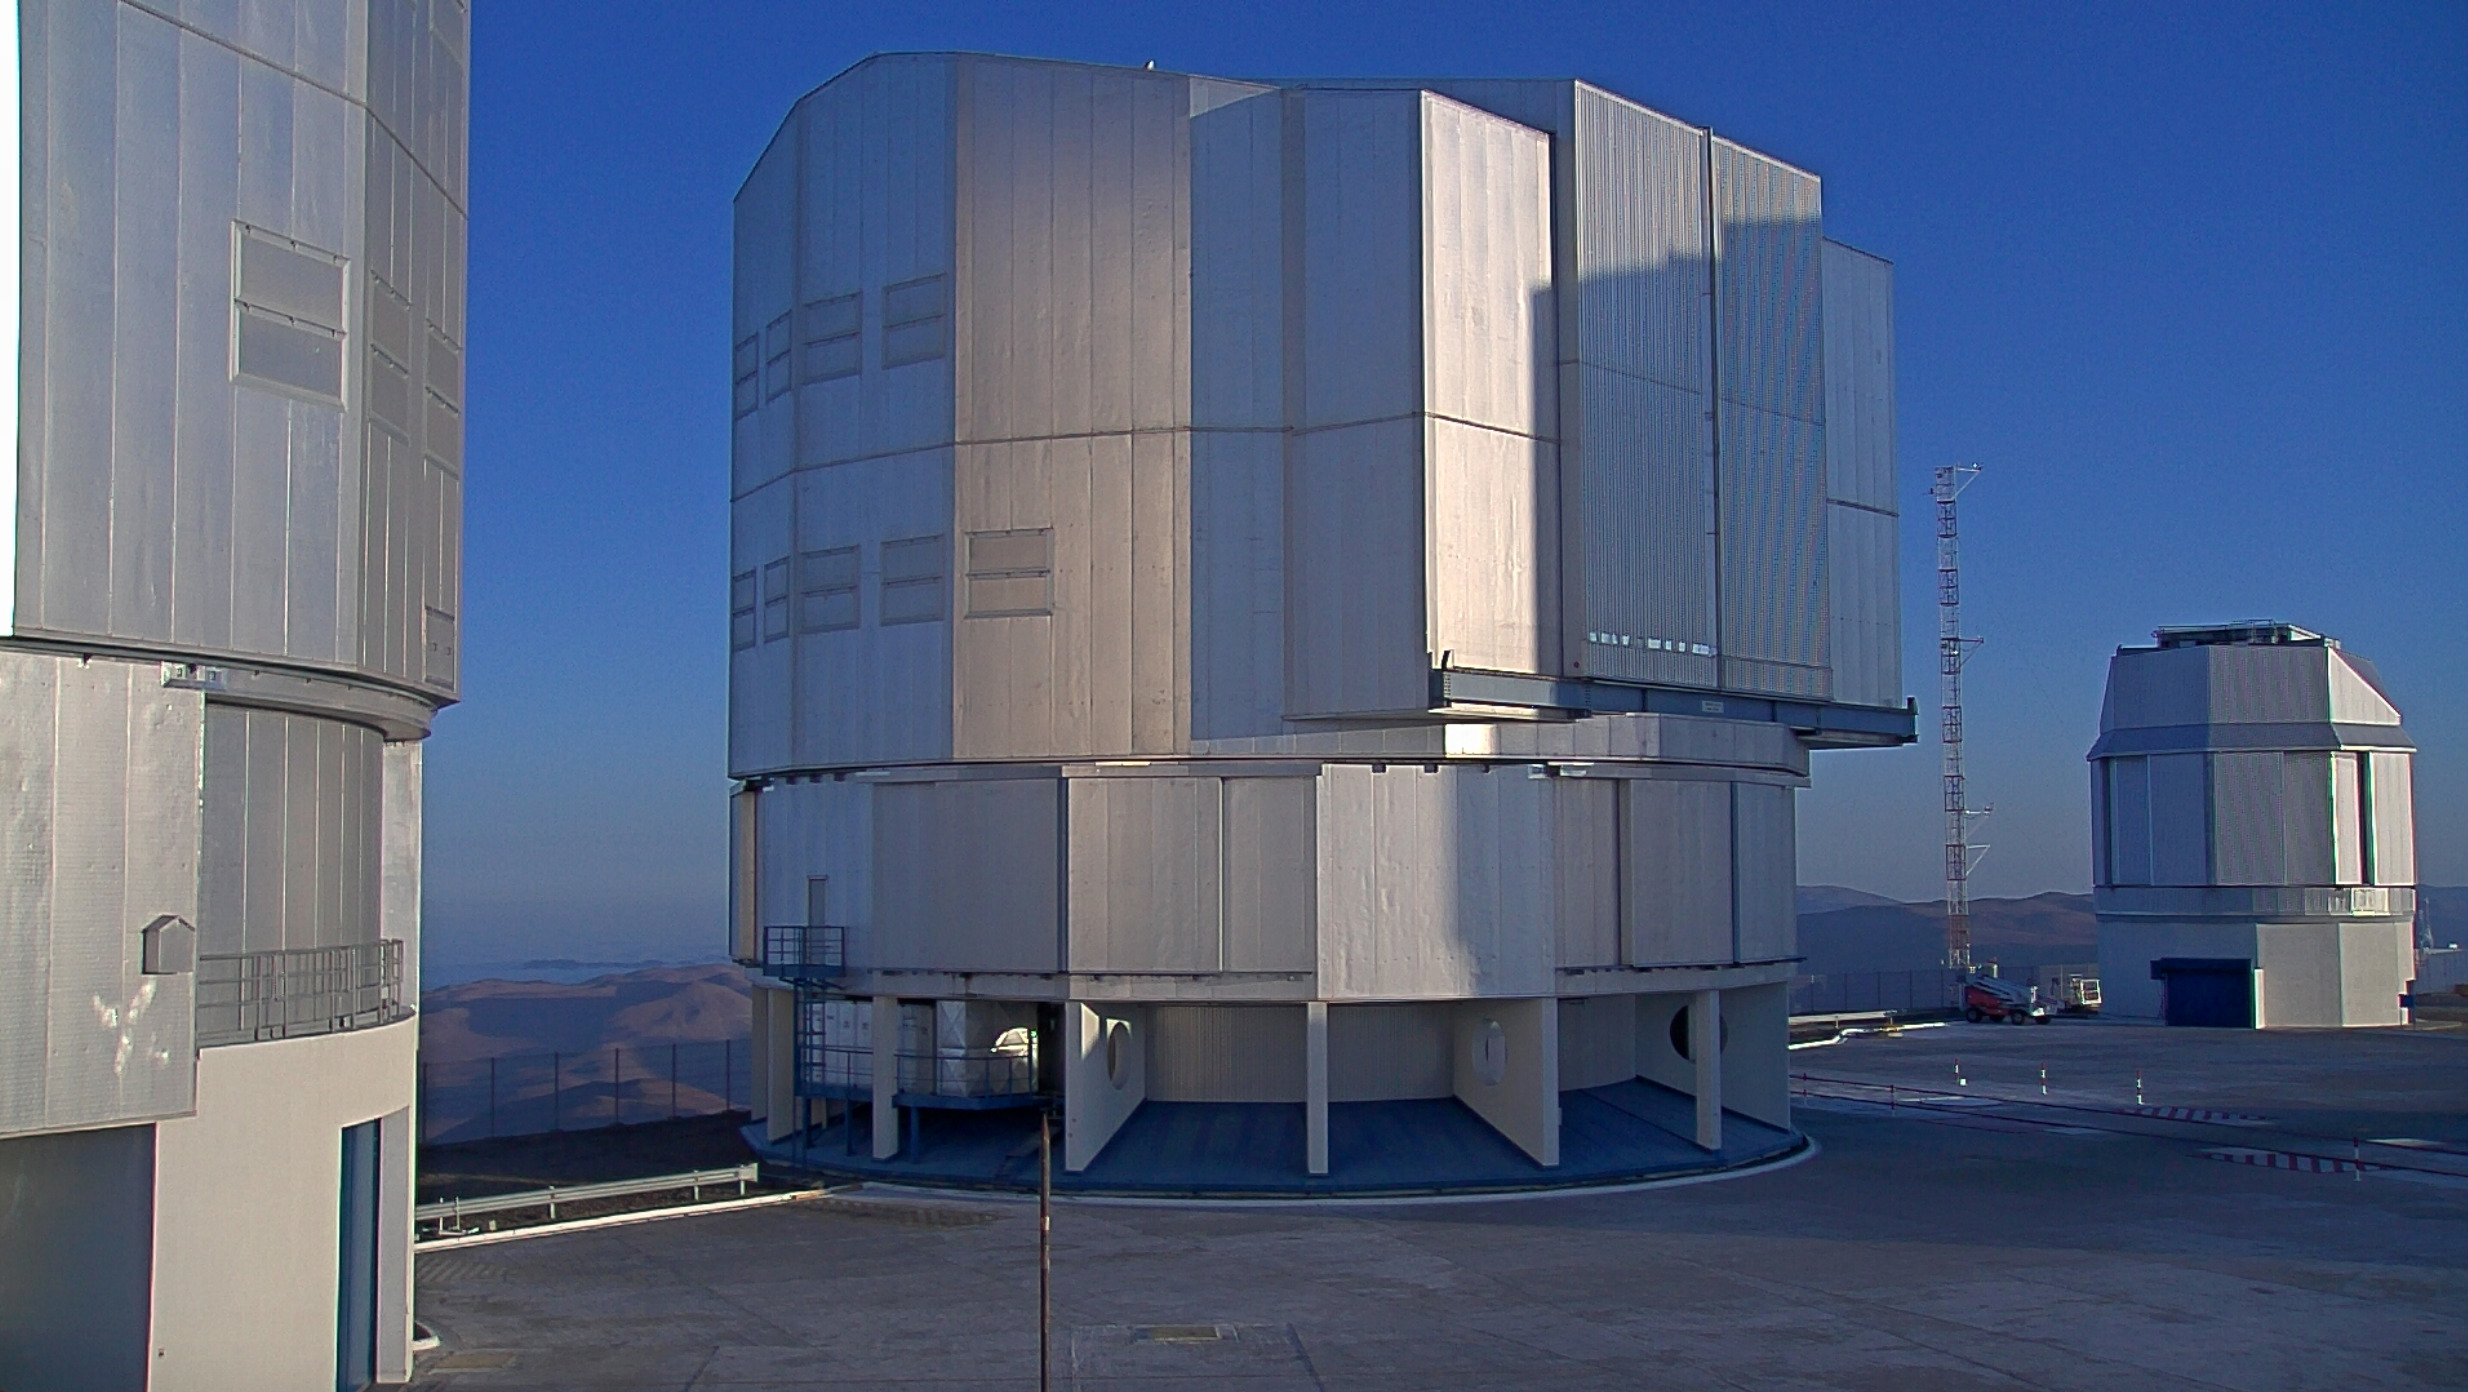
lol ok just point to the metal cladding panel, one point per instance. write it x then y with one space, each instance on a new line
2180 819
1271 914
1765 873
765 293
1675 901
1494 570
1356 631
1107 671
877 206
761 699
1145 861
1487 314
2268 685
2249 819
2129 821
99 758
1863 526
2311 855
1770 372
2355 697
1586 855
873 692
2377 961
1226 1053
1380 1052
1429 882
825 830
2169 686
2300 969
1639 514
1598 1041
294 832
1237 266
1077 238
2347 819
1237 584
198 166
1859 378
1865 604
1644 509
1361 214
2394 819
966 875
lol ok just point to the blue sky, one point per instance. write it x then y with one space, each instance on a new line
2191 283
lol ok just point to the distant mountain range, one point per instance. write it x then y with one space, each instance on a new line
656 1005
1841 930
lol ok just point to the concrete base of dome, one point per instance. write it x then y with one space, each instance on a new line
1620 1134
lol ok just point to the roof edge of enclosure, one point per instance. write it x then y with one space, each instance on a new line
1275 568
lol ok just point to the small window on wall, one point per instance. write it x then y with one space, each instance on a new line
913 580
741 596
833 344
913 313
749 370
827 590
1010 573
287 315
775 357
775 600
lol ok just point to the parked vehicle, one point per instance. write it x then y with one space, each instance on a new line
1992 998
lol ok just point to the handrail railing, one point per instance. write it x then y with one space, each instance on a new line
450 1213
804 951
245 997
966 1074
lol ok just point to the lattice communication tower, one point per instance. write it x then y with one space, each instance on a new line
1953 650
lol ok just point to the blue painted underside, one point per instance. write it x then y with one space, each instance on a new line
1625 1131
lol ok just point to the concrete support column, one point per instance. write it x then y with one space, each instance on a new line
886 1077
1315 1087
1507 1069
1705 1051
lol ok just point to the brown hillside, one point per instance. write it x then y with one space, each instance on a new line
658 1005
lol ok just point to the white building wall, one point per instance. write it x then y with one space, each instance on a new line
246 1215
1862 513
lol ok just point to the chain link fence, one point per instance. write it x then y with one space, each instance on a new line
1844 993
531 1094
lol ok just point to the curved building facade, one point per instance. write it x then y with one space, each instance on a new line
230 585
1293 614
2253 826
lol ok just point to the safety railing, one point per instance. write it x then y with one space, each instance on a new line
1898 992
448 1215
804 952
831 1070
245 997
971 1073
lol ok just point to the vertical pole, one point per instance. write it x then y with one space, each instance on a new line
672 1082
728 1075
616 1086
492 1099
423 1098
1315 1087
1045 1249
556 1091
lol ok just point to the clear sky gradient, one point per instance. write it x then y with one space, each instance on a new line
2190 283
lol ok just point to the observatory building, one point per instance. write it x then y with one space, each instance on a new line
1288 619
2253 833
230 580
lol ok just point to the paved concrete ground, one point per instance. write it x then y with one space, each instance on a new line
1925 1248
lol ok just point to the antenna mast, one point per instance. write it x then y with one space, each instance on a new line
1953 650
